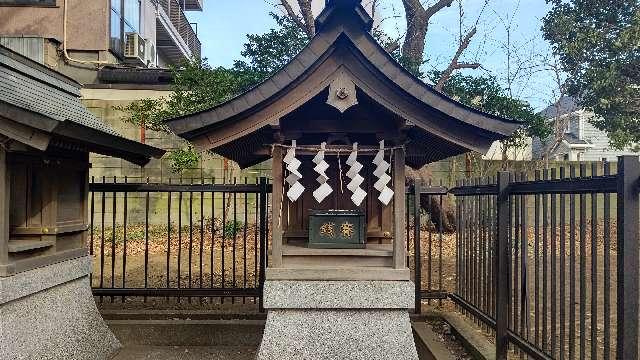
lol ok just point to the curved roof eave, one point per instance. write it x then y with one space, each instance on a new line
193 125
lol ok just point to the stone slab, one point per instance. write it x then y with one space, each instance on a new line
187 353
61 322
338 334
470 336
188 332
433 347
339 294
36 280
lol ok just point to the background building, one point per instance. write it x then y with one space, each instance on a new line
582 141
118 50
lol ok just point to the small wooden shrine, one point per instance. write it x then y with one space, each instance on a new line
341 121
46 135
342 94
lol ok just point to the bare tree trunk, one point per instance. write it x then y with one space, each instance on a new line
305 21
417 18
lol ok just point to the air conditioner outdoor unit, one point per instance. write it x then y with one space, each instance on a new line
135 48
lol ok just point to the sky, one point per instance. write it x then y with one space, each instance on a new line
224 24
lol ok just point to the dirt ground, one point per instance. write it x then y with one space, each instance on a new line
196 258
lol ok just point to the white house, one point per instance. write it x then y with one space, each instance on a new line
582 141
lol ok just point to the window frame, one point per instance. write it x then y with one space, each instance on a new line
123 24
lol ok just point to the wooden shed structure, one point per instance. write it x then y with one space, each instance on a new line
342 88
46 135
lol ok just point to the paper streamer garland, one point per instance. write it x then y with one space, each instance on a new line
356 179
386 194
321 167
295 187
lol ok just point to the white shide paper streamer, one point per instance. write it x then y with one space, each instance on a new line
295 187
356 179
386 194
321 167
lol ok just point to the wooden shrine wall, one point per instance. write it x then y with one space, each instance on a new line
296 214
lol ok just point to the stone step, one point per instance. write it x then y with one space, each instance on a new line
137 352
182 332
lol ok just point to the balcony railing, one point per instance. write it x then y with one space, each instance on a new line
179 20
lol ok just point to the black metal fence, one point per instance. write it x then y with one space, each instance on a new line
551 264
206 240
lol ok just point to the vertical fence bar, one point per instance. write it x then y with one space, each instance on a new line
146 241
124 239
440 229
113 238
563 267
572 269
502 273
607 268
536 251
516 260
92 224
263 238
583 268
102 218
524 252
212 261
416 246
201 233
554 255
179 265
190 254
594 267
233 241
168 263
628 258
244 244
545 264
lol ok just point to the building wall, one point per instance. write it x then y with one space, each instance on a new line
580 126
88 23
101 102
495 152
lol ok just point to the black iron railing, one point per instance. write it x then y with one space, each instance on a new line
206 240
550 265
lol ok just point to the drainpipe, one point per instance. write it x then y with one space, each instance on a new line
64 41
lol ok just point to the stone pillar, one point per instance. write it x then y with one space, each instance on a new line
50 313
366 320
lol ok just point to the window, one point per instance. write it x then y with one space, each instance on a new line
28 2
125 18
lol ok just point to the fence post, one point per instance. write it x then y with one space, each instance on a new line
502 271
263 238
417 253
628 257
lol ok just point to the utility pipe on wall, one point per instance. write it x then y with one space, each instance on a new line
64 41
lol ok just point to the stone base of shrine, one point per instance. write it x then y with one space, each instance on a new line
338 320
50 313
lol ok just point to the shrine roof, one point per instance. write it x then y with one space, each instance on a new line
437 126
40 99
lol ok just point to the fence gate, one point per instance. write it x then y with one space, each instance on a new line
175 242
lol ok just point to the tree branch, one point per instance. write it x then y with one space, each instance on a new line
292 14
307 15
433 9
454 64
417 18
